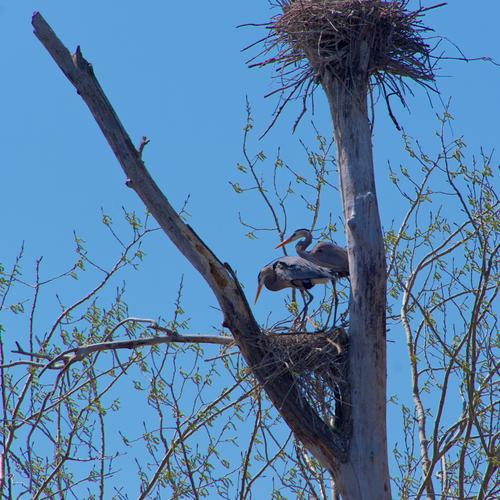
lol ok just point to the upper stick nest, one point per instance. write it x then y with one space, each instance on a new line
310 37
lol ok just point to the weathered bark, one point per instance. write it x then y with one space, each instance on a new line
365 475
326 444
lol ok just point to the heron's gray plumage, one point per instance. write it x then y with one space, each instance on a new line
323 254
292 272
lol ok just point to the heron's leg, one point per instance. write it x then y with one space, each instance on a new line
306 304
335 305
296 323
301 317
335 301
310 295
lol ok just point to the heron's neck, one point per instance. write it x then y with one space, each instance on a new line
272 283
302 244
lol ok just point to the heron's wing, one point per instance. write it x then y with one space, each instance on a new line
331 256
298 269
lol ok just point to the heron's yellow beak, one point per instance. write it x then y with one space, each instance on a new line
259 288
283 243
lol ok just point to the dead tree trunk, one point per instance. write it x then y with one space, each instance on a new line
366 473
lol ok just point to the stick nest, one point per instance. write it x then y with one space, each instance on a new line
311 37
318 364
320 353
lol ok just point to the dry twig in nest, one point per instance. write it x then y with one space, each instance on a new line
311 37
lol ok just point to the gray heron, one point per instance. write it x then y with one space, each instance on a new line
293 272
324 254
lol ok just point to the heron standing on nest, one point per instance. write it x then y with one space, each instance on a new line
324 254
293 272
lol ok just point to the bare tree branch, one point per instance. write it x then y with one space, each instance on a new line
327 445
78 353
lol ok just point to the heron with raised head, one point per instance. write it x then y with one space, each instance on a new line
324 254
293 272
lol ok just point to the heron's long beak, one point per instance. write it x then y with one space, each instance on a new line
283 243
259 288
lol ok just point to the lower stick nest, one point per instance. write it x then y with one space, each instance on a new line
318 364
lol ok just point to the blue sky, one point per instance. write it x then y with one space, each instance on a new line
174 71
185 89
